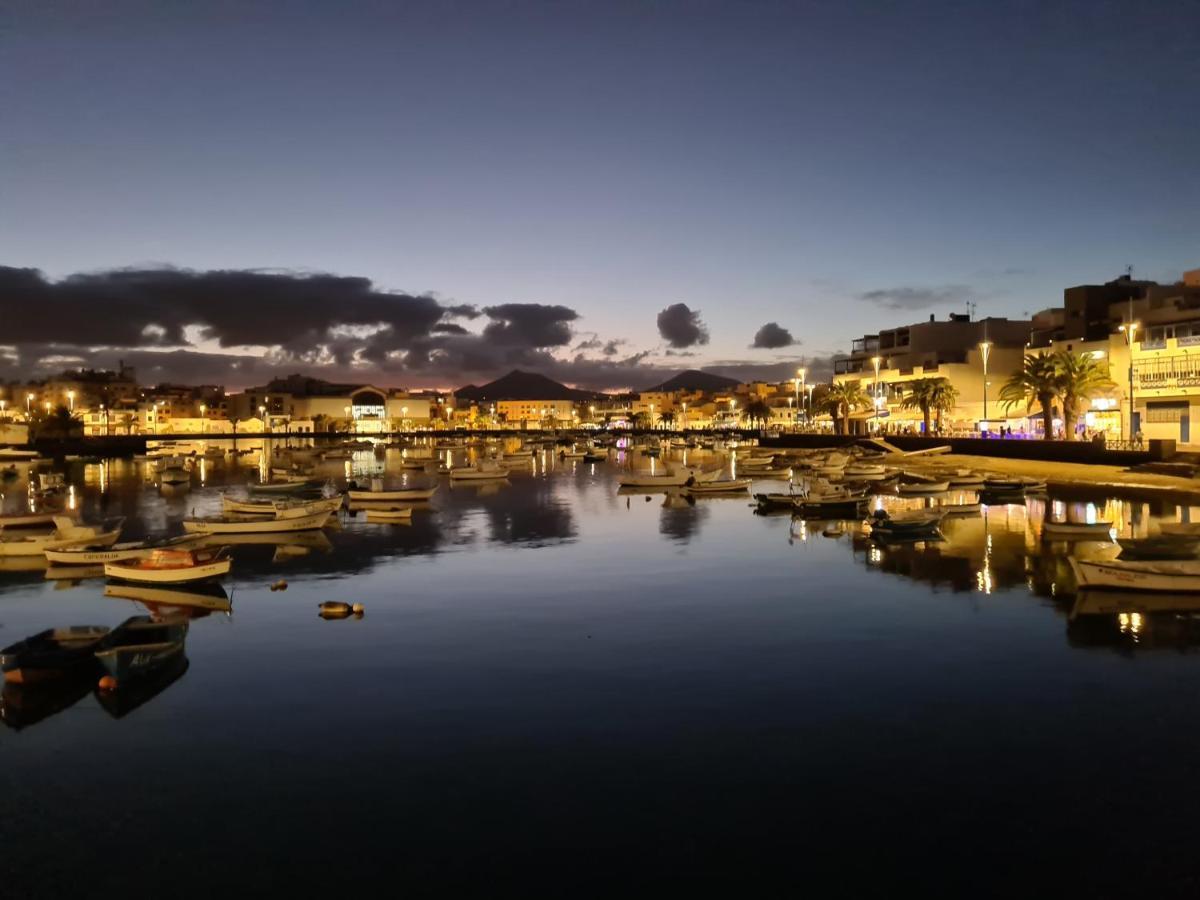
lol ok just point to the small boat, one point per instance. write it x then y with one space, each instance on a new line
7 453
482 472
572 454
1180 528
1160 547
646 480
1004 485
171 567
594 457
1077 530
776 501
390 515
52 653
66 534
922 487
726 486
915 524
1181 576
227 525
287 487
960 509
829 507
29 520
333 609
864 473
417 494
92 555
140 645
174 475
279 508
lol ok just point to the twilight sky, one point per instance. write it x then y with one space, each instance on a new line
601 191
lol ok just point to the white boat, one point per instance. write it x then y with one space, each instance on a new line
727 486
960 509
671 479
171 567
389 515
175 475
1180 528
1182 576
26 520
66 534
89 554
1077 529
286 487
417 494
862 472
482 472
7 453
224 525
923 487
279 508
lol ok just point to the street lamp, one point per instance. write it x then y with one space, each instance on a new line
1130 332
685 415
985 351
404 417
71 400
28 401
800 373
204 423
875 361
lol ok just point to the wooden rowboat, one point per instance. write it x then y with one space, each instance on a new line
389 515
52 653
1094 530
171 567
225 525
140 645
1180 576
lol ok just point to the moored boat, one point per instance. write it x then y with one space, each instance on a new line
1094 530
414 494
389 515
922 487
140 645
1182 576
483 472
52 653
726 486
171 567
1161 546
227 525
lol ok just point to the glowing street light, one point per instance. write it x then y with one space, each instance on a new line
28 401
71 400
985 351
875 361
1130 332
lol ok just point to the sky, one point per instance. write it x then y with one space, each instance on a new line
430 194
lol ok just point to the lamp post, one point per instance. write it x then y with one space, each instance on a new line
985 351
204 420
104 412
1130 332
28 403
154 412
71 400
875 361
404 418
685 415
733 411
802 374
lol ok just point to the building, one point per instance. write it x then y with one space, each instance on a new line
363 408
975 355
1150 334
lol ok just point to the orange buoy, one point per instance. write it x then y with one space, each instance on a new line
358 609
108 683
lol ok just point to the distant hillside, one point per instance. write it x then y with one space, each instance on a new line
518 385
695 380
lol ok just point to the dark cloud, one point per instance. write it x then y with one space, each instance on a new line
613 347
772 336
448 328
919 297
529 324
591 343
681 327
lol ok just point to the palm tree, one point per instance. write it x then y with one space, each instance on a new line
1038 381
638 419
757 410
60 424
930 395
841 399
667 420
1080 375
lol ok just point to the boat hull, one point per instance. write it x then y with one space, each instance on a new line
1177 577
257 526
214 569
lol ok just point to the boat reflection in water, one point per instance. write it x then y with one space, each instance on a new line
23 705
140 691
1127 621
194 602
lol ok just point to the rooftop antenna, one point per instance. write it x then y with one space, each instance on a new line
971 310
1129 272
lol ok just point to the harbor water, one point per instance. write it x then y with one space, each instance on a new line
577 689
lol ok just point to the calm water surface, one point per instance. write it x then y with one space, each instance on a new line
580 691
